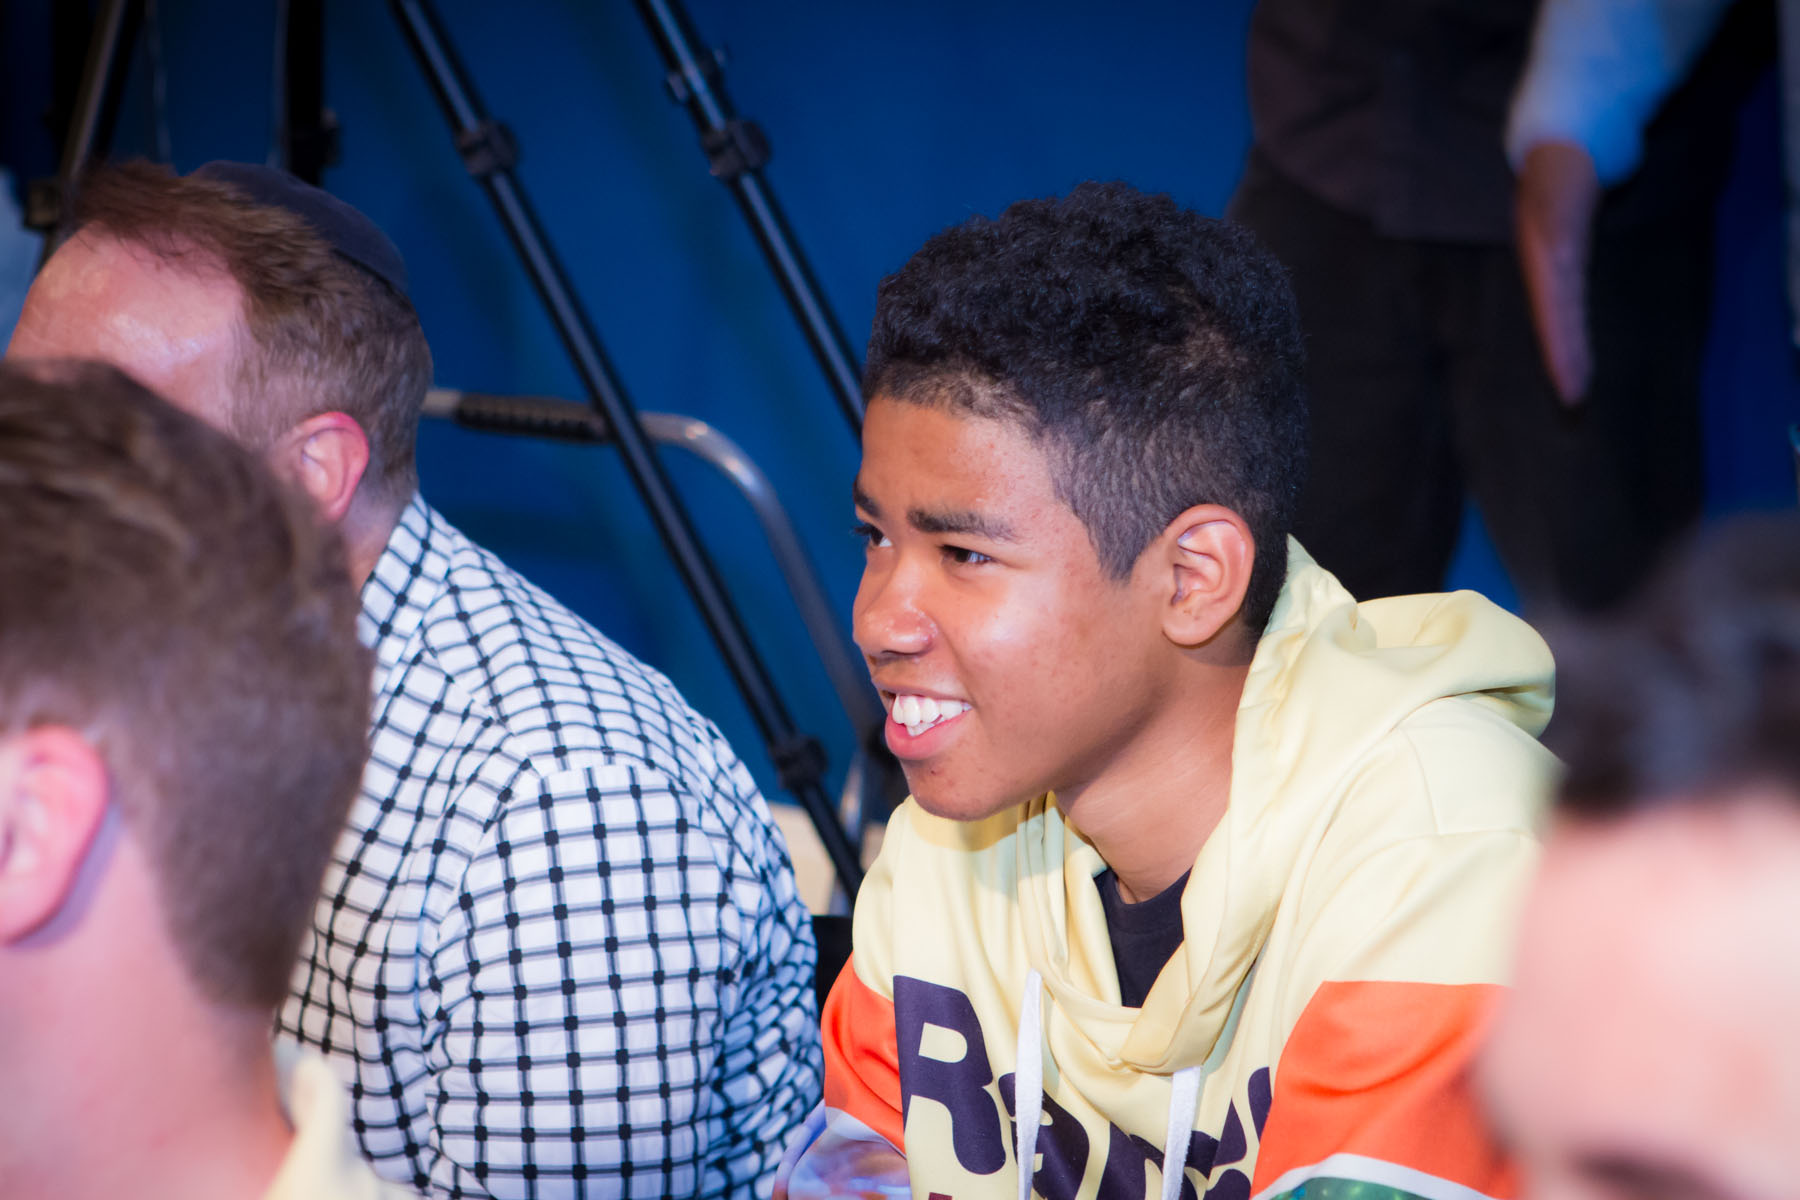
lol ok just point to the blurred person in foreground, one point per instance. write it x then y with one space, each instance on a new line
1378 178
1650 1049
559 945
165 815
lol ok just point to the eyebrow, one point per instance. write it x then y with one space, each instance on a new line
861 499
962 521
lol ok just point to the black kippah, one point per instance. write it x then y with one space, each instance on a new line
346 230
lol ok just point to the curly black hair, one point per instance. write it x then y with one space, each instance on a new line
1692 693
1155 353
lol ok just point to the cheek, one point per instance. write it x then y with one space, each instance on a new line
1036 647
1006 644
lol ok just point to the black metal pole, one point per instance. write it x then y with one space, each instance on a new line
736 151
91 120
308 131
488 150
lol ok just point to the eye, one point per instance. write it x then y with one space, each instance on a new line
871 536
963 556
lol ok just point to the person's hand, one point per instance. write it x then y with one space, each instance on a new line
1555 202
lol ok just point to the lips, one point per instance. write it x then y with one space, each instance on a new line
916 713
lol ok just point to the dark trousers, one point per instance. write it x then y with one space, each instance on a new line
1425 380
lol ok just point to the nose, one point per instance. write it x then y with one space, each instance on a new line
889 619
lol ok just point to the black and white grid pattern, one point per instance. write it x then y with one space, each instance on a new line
559 951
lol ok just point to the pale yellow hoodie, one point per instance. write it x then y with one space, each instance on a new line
322 1163
1346 925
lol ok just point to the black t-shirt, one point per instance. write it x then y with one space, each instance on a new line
1144 935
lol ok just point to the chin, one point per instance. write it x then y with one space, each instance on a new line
946 800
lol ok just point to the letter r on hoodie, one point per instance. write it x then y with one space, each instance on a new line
960 1085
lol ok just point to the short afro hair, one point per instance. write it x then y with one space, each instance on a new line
1155 353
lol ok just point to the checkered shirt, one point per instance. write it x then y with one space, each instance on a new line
559 950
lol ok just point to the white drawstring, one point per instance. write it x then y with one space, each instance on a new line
1184 1088
1184 1100
1028 1080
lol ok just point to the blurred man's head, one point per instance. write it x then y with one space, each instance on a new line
1650 1048
183 703
266 307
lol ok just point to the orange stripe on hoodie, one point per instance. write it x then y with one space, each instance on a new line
862 1058
1383 1070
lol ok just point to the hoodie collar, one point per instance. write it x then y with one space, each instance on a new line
1329 679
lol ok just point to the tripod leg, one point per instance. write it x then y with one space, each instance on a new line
308 133
95 112
735 151
489 153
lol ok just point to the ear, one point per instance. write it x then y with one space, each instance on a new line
325 456
53 798
1205 556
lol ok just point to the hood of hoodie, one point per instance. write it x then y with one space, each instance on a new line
1331 678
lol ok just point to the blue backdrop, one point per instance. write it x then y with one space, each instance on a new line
888 121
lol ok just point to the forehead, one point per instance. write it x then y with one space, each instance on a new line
102 298
1657 976
935 453
1670 897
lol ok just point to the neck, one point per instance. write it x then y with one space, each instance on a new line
1160 799
366 529
174 1116
119 1076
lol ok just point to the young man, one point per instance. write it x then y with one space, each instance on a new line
559 945
165 815
1205 880
1650 1049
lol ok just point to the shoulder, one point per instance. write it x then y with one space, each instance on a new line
1418 874
1451 768
1479 769
1414 868
560 732
560 694
1441 813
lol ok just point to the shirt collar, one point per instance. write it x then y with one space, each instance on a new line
406 578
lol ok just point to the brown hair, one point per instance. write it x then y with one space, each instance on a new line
324 335
1691 693
161 593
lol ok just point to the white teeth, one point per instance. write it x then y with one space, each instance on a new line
919 713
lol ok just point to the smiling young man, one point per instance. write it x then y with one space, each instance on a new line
1205 882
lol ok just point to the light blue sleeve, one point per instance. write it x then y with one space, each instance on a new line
1598 71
